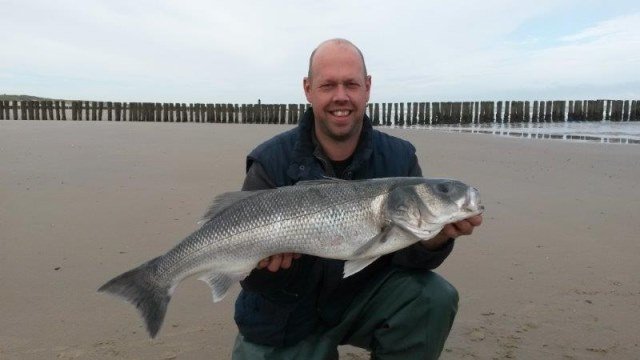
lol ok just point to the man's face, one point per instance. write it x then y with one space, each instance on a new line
338 91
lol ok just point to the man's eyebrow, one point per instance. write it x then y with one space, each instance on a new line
341 81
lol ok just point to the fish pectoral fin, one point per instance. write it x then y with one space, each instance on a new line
225 200
220 283
371 244
353 266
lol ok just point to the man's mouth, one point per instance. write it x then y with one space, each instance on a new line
340 113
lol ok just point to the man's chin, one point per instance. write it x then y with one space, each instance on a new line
340 129
341 121
341 133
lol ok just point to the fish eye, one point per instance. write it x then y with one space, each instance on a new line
443 188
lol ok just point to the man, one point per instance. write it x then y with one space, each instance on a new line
295 306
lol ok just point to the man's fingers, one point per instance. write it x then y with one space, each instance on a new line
475 220
279 261
263 263
463 227
274 264
286 260
466 226
450 231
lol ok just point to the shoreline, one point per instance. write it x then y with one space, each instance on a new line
605 132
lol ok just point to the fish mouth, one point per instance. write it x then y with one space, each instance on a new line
472 202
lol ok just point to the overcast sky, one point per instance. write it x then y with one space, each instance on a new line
241 51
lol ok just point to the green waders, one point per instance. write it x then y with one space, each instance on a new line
406 315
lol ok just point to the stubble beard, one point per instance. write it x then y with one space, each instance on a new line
343 136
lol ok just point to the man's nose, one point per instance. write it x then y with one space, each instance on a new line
340 93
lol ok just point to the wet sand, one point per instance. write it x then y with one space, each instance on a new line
552 273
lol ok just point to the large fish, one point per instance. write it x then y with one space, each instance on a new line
356 221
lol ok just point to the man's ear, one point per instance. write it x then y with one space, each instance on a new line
367 85
306 85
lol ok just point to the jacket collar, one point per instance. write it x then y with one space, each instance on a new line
304 164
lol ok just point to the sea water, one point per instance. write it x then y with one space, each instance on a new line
593 131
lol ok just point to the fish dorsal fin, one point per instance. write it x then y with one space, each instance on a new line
323 180
223 201
353 266
221 283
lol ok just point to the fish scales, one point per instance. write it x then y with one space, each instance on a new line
308 218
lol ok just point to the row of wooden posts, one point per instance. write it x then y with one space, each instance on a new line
399 114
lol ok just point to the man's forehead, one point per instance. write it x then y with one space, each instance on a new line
335 51
337 46
338 62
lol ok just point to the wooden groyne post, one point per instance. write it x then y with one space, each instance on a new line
381 114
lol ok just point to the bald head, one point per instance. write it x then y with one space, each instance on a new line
336 43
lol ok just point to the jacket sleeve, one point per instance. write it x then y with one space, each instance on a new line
257 179
417 256
280 285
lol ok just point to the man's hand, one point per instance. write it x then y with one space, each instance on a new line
279 261
452 231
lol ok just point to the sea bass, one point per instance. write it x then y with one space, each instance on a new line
356 221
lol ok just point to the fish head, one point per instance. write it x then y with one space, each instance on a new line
424 208
445 201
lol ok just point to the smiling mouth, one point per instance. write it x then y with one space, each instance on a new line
340 113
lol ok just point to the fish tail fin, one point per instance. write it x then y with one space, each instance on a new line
138 288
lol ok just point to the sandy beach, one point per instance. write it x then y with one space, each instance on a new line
553 273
